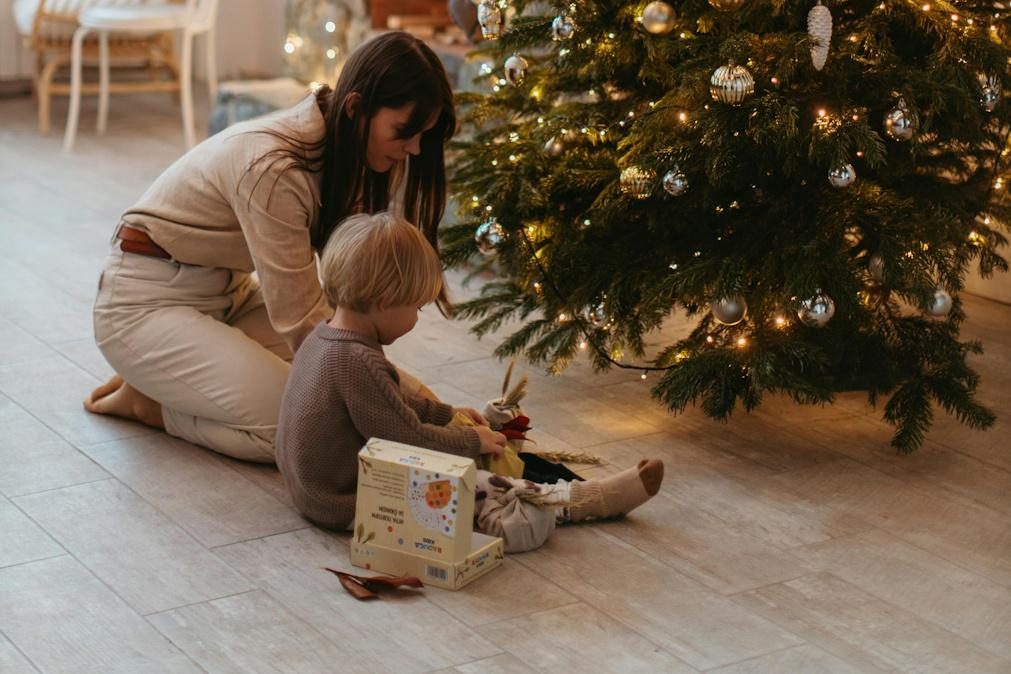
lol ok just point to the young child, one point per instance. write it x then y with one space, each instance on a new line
378 271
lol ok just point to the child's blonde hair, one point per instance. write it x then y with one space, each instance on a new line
379 260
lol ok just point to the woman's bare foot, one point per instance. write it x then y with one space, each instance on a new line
117 398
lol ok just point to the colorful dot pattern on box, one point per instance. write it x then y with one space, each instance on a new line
433 500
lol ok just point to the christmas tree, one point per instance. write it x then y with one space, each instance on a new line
812 182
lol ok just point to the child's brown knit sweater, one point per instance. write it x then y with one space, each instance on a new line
341 392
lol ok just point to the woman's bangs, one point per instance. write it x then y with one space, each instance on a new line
425 107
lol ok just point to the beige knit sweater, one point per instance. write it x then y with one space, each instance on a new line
217 207
341 392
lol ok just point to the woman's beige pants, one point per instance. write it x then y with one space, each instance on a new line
198 341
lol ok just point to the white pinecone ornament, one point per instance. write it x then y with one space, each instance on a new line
819 28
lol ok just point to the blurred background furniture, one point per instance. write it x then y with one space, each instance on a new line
188 19
47 27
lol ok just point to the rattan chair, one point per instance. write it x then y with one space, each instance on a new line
47 28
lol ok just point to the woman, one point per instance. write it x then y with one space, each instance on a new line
201 347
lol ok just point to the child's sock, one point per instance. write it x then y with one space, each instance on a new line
617 494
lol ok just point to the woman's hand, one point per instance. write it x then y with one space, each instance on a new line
474 415
492 442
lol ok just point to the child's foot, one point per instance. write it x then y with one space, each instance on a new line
618 494
117 398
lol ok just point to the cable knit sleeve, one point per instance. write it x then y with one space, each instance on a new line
378 409
428 410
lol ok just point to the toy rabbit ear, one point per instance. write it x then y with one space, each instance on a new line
513 398
508 374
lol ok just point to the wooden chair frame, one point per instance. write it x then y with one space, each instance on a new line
53 50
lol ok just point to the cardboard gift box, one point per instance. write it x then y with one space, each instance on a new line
414 515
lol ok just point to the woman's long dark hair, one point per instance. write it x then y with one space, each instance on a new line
389 71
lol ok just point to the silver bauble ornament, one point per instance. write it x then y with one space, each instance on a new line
554 147
900 123
727 5
658 18
637 182
490 17
597 315
817 311
819 29
675 182
730 310
562 28
842 176
940 304
988 98
516 70
489 236
731 84
989 92
876 268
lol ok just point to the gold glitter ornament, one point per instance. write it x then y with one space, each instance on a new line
731 84
658 18
637 182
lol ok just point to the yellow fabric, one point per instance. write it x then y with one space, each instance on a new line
509 464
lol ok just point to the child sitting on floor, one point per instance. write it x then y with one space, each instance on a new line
378 271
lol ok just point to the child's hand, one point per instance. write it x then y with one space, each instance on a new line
492 442
474 415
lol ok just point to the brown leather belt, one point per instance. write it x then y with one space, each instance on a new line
135 241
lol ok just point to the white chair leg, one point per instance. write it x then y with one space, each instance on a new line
75 88
186 86
103 82
212 68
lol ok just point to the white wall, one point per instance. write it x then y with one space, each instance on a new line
250 39
250 36
15 62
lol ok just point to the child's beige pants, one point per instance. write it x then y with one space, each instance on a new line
198 341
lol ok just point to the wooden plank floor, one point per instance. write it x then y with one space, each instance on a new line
791 540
